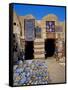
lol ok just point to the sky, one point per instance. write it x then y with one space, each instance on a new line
39 11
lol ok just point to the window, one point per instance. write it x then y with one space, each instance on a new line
37 32
50 26
14 23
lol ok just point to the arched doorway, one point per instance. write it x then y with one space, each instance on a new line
49 47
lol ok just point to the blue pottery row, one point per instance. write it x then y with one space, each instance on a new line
30 72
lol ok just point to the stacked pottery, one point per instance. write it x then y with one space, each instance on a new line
31 72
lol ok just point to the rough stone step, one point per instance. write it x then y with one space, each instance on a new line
38 43
39 50
39 46
39 56
39 40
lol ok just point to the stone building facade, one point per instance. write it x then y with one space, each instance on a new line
48 31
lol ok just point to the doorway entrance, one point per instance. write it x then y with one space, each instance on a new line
29 50
49 47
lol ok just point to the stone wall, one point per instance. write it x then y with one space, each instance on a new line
19 30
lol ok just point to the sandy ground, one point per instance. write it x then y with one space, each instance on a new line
56 71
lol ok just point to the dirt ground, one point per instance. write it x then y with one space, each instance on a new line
56 71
